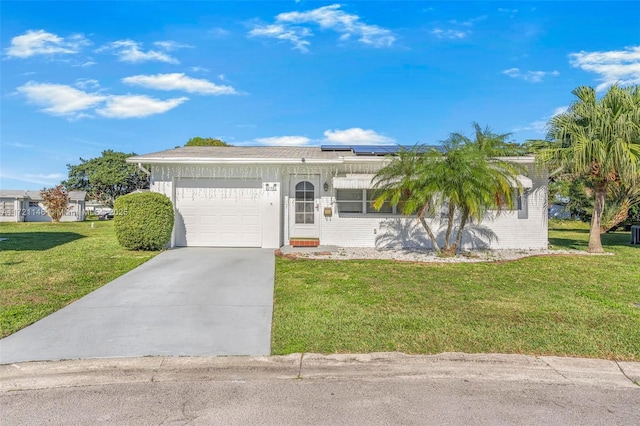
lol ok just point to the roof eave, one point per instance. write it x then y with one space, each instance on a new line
209 160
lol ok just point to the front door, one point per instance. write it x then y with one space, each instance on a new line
304 207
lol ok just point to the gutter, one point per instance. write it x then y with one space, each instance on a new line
194 160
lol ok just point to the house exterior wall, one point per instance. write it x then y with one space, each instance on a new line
36 212
509 230
12 210
503 231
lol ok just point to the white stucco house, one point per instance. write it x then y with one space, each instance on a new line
274 196
27 206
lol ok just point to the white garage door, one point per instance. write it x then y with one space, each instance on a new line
219 212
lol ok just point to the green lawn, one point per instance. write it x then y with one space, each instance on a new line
46 266
564 305
553 305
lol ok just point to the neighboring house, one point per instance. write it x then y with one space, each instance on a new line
559 211
559 208
97 208
27 206
273 196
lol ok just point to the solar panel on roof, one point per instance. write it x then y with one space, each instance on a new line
335 147
374 149
377 150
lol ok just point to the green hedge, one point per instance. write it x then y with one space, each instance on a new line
143 220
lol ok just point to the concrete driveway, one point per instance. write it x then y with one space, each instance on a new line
186 301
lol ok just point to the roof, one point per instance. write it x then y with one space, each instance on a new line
273 154
35 195
245 154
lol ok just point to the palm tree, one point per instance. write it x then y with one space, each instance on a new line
463 179
409 183
621 198
598 139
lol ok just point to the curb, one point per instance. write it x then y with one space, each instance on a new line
445 366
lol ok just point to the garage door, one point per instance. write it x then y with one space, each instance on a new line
219 212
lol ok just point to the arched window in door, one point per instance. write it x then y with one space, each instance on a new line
304 203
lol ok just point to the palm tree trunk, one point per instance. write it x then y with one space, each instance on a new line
450 218
430 234
595 243
463 222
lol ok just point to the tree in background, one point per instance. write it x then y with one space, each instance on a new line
598 140
56 201
198 141
621 208
465 180
107 177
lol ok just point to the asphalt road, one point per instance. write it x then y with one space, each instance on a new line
372 389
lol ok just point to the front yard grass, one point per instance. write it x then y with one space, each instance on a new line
552 305
46 266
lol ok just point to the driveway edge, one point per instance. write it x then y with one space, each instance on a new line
445 366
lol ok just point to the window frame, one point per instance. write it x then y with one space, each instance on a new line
306 189
365 201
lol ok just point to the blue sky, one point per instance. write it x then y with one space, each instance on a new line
81 77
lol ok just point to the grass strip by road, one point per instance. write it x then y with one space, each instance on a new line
553 305
46 266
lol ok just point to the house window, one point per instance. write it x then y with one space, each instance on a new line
361 201
523 205
304 203
34 204
371 197
520 203
350 200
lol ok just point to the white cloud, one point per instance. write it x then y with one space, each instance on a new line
613 66
41 42
47 177
218 32
288 27
199 69
59 99
331 17
560 110
540 126
179 81
170 45
456 30
19 145
295 35
136 106
66 101
30 178
87 83
468 22
131 51
284 141
356 136
450 33
530 76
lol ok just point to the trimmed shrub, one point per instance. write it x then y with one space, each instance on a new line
143 220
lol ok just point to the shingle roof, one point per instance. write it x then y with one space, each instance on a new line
35 195
242 153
